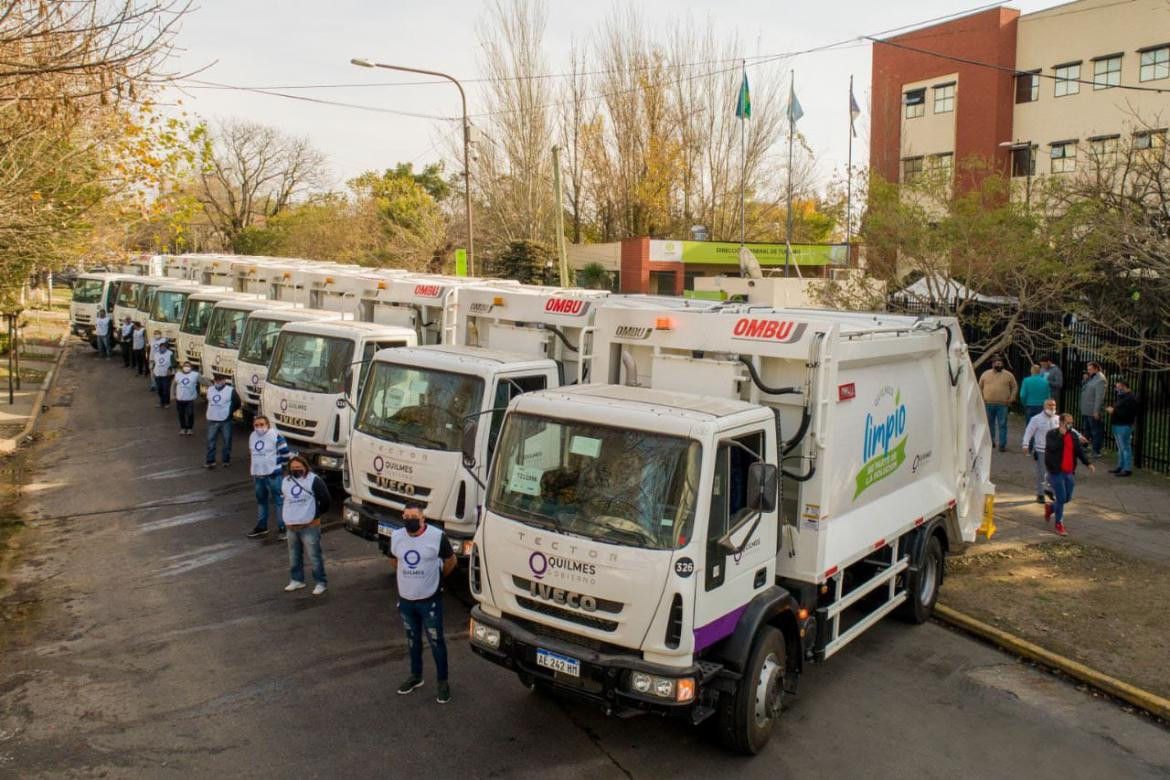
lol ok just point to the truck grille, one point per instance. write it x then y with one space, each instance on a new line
603 605
252 393
295 425
392 489
599 624
84 318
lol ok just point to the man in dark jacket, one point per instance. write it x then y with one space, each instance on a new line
1123 415
1062 450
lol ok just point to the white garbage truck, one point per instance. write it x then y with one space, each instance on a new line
225 331
91 292
427 303
256 345
167 304
196 317
405 449
314 373
748 491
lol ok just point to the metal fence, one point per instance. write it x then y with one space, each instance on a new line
1074 345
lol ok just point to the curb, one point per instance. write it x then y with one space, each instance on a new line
8 446
1151 702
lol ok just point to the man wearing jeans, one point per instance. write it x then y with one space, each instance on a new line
101 328
304 499
269 454
1123 415
999 390
421 556
1092 407
1062 450
222 402
1035 440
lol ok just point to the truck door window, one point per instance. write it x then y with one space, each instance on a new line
507 389
368 353
728 499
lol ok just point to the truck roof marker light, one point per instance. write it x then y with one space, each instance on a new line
684 689
328 280
286 275
663 323
381 285
498 300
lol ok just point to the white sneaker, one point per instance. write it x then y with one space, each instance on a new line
293 585
318 589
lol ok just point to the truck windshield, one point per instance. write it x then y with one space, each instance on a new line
258 340
302 361
225 327
128 293
168 306
87 290
418 406
612 484
196 317
146 299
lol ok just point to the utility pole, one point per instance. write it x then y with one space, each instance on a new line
364 63
561 253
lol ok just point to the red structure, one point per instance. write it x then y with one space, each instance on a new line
985 95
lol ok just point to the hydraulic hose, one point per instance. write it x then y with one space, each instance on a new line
760 383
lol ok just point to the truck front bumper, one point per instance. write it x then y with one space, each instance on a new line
376 523
603 678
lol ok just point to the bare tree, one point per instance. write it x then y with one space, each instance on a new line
575 114
253 173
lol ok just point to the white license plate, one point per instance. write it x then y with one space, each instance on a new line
385 529
558 663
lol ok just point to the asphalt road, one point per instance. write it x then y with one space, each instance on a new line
162 645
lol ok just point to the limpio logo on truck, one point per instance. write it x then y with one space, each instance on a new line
574 308
781 331
427 290
879 460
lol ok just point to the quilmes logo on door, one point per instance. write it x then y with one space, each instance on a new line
570 306
781 331
884 448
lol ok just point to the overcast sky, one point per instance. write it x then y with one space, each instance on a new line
297 42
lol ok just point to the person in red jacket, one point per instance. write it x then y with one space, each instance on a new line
1062 450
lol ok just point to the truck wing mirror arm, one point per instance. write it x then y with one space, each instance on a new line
724 543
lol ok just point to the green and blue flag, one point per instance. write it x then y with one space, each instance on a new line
743 106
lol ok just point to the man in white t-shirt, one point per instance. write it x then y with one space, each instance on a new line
421 556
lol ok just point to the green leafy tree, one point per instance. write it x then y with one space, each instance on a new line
594 277
525 261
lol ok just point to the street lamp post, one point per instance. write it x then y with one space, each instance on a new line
366 63
1016 146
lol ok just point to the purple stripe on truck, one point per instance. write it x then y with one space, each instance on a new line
717 629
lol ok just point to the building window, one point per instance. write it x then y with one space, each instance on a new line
1067 79
1107 71
1064 157
911 169
942 163
1028 87
1023 161
1104 149
1145 140
1155 64
944 98
915 101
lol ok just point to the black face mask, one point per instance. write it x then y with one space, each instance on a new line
411 525
998 368
296 474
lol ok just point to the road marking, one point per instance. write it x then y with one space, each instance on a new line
204 556
171 522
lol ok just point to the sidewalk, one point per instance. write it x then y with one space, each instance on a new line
1128 515
43 339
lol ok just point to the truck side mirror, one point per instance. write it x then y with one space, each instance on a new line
761 487
470 429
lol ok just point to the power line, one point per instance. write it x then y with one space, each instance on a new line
323 101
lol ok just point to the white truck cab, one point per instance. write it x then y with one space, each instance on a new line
511 340
193 328
256 345
225 329
751 490
315 370
91 292
167 303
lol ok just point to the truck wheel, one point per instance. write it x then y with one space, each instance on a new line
923 585
746 719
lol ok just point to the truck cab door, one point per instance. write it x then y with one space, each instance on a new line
508 386
731 580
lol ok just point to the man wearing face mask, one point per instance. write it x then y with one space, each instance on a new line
999 389
222 402
304 498
161 362
1034 438
269 453
151 352
421 556
186 391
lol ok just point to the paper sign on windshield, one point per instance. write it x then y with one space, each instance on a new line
526 480
585 445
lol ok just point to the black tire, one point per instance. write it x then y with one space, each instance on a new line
741 727
922 586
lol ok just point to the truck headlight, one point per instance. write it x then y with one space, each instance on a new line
679 689
485 636
329 462
350 516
